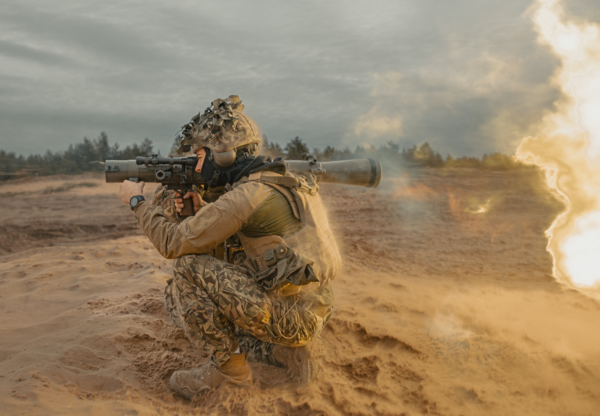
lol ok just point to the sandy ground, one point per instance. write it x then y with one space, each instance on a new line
440 309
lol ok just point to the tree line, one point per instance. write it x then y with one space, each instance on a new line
86 156
90 154
390 154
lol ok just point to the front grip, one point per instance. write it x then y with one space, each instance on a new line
188 208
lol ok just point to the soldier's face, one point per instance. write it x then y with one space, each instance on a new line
201 153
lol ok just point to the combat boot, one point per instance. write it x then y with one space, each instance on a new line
190 383
303 363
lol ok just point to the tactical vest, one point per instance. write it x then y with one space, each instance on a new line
313 241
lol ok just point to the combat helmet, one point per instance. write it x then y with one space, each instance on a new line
224 129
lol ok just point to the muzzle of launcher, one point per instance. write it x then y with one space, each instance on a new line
359 172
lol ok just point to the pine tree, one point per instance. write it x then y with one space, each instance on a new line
295 148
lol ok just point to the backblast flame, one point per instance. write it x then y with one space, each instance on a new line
568 147
480 209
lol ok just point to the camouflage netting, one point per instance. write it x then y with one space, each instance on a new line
222 127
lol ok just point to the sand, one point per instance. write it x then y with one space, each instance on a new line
440 309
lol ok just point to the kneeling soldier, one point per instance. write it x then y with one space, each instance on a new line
272 302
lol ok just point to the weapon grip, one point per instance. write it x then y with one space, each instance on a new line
188 208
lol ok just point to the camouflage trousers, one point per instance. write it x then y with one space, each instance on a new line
220 307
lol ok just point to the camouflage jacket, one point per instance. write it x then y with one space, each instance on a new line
269 213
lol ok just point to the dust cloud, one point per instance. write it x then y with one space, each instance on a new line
438 310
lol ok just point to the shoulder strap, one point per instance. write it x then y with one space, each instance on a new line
275 178
285 185
295 183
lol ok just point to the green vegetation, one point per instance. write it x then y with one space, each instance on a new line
90 155
87 156
390 154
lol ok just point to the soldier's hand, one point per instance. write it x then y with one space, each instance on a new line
129 189
196 199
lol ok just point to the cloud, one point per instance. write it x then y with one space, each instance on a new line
326 71
483 101
383 122
375 125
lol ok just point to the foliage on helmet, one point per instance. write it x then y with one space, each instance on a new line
223 126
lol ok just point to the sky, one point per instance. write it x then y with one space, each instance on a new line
466 76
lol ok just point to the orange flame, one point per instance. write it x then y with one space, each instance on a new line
479 208
568 147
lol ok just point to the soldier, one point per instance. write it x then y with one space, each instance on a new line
272 304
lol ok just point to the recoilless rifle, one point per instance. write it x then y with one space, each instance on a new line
178 173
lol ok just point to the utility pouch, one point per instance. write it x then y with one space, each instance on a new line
280 266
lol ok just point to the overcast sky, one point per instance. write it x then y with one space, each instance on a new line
467 76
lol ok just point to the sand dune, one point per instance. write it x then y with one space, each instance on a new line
446 306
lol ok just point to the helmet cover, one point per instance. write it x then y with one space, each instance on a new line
222 127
